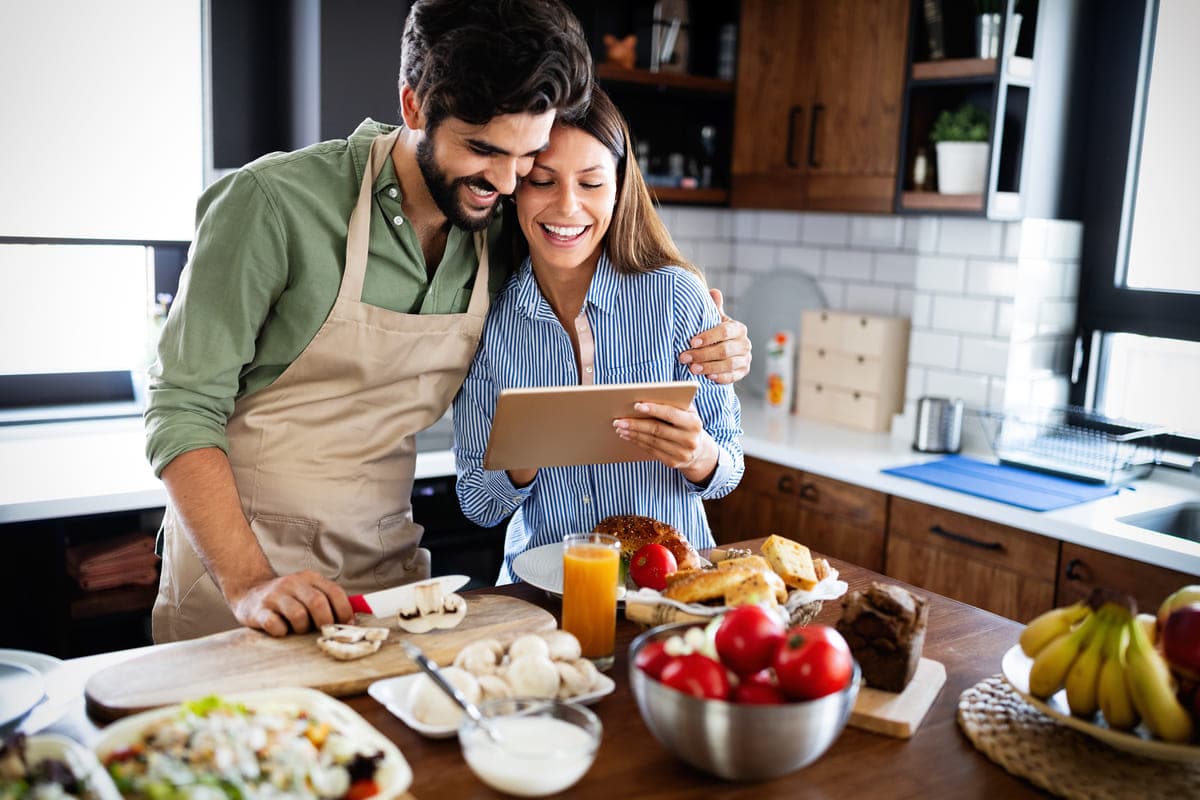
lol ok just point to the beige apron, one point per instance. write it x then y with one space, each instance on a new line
324 457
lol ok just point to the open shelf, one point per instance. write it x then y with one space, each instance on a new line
117 600
666 194
952 68
673 80
936 201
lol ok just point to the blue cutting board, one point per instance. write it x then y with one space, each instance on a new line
1013 485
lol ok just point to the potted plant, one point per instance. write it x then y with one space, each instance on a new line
961 140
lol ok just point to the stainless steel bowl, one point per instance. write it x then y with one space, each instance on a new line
737 741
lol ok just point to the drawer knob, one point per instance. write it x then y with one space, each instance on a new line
861 359
784 484
938 530
862 321
819 388
821 353
824 317
858 395
808 491
1076 570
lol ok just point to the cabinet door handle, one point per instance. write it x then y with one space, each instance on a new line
808 492
784 484
791 136
958 537
861 359
812 134
1073 572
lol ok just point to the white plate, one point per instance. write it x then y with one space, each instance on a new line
84 765
21 688
393 694
394 775
541 567
1015 668
59 693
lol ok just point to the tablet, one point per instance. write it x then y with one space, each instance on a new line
567 426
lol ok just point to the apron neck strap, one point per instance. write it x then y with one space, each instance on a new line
479 294
359 233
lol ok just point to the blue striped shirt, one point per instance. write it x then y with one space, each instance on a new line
640 323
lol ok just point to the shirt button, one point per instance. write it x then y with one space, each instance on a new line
392 192
586 499
517 499
587 369
399 220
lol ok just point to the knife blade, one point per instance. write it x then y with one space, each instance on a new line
386 602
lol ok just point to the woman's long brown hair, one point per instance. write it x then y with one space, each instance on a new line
637 240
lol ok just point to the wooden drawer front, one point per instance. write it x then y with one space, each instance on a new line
855 409
769 478
1084 568
816 400
867 335
744 514
976 583
837 368
974 539
822 329
833 536
853 503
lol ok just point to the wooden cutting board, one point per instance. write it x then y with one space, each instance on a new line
245 660
899 714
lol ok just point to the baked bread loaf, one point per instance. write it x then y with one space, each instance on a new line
756 589
763 568
792 561
634 531
885 628
706 585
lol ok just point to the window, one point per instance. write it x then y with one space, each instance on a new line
1139 312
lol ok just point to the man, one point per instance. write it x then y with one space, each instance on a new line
331 306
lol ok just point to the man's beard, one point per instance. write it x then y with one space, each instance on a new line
445 192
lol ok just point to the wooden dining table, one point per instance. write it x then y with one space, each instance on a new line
937 761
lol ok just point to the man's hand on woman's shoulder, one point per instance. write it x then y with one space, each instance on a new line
722 354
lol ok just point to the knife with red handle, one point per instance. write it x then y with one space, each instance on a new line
387 602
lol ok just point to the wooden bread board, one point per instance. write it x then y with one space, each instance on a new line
245 660
899 714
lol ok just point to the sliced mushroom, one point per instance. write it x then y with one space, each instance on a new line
350 634
348 651
426 614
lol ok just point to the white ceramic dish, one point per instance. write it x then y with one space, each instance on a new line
59 693
393 694
22 688
83 763
541 567
394 775
1015 668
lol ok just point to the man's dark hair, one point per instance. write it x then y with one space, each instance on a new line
477 59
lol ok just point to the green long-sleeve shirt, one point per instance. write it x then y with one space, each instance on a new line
264 271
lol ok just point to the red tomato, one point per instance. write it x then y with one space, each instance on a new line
362 789
812 661
747 639
652 658
651 565
697 675
758 694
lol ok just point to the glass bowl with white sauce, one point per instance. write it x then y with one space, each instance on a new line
541 747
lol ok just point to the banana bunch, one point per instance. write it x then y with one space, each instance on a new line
1103 656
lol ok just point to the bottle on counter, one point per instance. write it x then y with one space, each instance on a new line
781 372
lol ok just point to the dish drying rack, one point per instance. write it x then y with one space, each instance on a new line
1074 443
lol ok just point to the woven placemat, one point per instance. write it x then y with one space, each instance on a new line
1068 763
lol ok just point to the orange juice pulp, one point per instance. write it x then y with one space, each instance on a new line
590 597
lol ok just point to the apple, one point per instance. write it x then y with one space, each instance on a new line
1180 597
1180 640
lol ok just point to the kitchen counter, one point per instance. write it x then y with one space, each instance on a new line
77 468
938 761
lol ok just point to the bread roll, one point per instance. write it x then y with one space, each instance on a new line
635 531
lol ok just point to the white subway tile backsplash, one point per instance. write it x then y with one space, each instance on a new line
825 229
1033 239
745 224
753 257
972 389
835 293
700 223
712 255
904 302
801 259
989 356
778 226
996 391
941 274
930 349
877 232
1040 279
872 299
847 265
1056 317
897 268
1070 280
971 237
1064 240
1004 320
993 278
964 315
1012 240
914 385
921 234
922 310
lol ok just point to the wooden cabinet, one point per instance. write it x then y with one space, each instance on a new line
830 517
1004 570
1082 569
819 95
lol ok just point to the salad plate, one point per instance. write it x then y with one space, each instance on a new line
82 763
542 568
307 707
59 693
1015 667
395 694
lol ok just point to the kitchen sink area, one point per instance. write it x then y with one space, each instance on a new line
1182 520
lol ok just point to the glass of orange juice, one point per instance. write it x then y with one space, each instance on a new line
590 568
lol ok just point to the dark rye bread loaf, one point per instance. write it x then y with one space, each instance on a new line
885 628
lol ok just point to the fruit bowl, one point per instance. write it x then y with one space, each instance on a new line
1015 668
737 741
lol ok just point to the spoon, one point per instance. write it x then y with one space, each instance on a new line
439 680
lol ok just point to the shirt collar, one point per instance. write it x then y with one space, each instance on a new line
360 150
602 294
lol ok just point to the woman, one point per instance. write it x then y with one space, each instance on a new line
603 297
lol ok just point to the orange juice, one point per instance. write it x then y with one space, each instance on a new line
590 567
